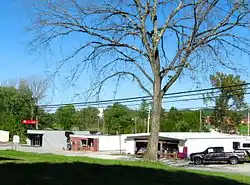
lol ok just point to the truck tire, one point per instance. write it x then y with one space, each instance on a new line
233 160
198 161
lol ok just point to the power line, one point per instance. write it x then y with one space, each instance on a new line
136 100
140 98
137 104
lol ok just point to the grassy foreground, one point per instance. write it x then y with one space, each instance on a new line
18 168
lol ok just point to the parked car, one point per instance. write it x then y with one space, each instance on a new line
217 154
140 153
246 153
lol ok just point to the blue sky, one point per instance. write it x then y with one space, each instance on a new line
17 62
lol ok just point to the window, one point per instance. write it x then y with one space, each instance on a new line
210 150
236 145
246 145
219 150
83 143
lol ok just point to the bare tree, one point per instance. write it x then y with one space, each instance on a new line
151 42
38 87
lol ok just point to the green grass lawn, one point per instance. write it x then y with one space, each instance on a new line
18 168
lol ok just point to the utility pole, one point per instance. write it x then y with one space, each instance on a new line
248 122
135 129
200 121
136 125
36 122
98 121
148 117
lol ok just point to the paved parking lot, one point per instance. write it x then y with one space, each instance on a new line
240 168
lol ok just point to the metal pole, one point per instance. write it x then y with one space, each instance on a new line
103 125
135 126
248 122
98 124
37 122
120 143
200 122
148 118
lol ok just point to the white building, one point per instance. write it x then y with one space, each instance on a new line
129 143
51 139
47 139
4 136
194 141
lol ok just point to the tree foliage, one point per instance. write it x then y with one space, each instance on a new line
118 119
231 99
65 116
87 118
182 121
14 107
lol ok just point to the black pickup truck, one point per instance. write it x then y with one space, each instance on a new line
217 154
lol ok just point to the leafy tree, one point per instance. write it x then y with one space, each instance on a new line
87 118
192 118
118 119
182 126
14 107
182 121
143 116
132 38
143 110
45 119
65 116
230 99
169 124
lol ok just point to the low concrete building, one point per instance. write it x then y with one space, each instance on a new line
84 143
48 139
193 141
4 136
169 142
100 143
51 139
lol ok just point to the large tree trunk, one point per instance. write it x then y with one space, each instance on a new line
152 148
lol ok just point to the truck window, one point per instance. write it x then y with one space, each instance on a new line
246 145
219 150
210 150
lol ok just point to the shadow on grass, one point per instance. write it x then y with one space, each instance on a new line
8 159
93 174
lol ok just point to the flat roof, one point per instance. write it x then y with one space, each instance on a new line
43 131
161 138
84 136
191 135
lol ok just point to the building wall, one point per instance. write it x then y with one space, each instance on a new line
199 145
76 144
4 136
130 146
54 140
112 143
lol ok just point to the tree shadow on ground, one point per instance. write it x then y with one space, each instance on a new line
94 174
8 159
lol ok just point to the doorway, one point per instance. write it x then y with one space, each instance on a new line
36 139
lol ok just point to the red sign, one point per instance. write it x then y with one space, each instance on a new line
29 122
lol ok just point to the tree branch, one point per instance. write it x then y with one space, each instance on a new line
125 73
